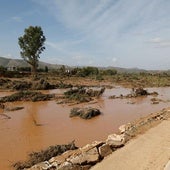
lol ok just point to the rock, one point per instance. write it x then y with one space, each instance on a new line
69 166
140 92
122 129
65 156
92 155
112 97
155 102
86 156
85 113
86 167
92 145
105 150
116 141
40 166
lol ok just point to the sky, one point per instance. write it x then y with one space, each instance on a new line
118 33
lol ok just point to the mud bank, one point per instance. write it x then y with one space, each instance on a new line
87 156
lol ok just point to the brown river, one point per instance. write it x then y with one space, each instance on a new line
20 135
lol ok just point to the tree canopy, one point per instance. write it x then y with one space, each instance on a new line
32 45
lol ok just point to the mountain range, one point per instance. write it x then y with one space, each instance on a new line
8 62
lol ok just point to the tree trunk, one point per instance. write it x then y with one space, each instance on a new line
34 71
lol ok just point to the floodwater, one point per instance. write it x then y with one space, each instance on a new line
41 124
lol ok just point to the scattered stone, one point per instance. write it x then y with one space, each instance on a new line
112 97
156 100
85 113
41 166
104 150
140 92
88 156
122 129
69 166
116 141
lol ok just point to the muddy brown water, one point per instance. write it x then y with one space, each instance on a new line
41 124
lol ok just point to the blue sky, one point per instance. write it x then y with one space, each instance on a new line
121 33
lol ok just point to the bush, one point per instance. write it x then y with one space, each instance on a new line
37 157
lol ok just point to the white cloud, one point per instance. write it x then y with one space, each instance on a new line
158 42
78 57
17 19
106 28
114 59
9 56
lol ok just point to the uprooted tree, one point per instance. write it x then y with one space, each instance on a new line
32 45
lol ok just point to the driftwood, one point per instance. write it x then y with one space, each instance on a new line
4 115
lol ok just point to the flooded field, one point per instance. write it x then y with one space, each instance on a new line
41 124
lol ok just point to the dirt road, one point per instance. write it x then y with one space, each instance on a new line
150 151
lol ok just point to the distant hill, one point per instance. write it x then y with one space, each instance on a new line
127 70
7 62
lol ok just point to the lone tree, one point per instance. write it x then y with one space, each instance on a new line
32 45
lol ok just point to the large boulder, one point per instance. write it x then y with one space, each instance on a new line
140 92
116 141
40 166
86 155
105 150
85 113
122 129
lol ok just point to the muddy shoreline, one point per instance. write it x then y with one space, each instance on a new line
89 155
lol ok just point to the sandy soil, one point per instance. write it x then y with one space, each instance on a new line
150 151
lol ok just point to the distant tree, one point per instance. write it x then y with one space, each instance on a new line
46 69
32 45
110 72
62 69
